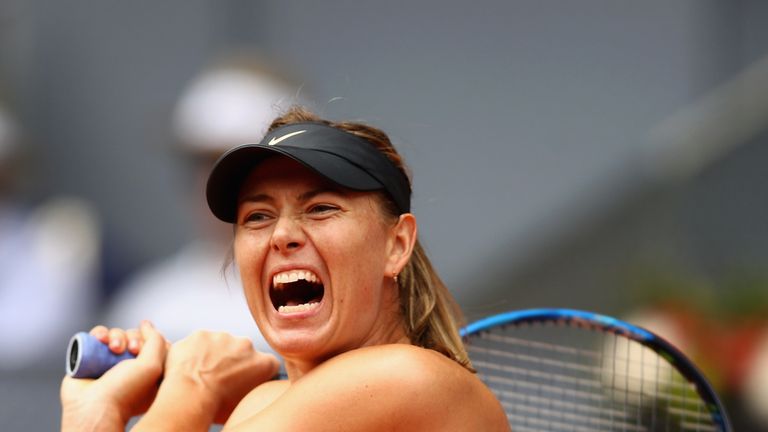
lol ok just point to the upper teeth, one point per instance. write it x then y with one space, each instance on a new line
293 276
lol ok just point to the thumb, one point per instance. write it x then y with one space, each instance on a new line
154 348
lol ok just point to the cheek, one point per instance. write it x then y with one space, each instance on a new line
249 256
362 252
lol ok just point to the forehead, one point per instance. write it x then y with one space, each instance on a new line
281 171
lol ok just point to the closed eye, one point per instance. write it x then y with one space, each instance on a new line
257 217
322 209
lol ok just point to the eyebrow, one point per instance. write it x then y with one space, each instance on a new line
256 198
306 196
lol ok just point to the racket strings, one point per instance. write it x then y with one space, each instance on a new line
551 405
593 366
552 380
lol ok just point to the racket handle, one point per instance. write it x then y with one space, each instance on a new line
88 357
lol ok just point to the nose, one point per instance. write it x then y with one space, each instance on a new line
288 236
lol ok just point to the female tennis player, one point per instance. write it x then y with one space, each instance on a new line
339 286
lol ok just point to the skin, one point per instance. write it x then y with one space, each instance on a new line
349 362
292 219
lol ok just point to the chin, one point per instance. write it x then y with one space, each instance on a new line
293 344
294 332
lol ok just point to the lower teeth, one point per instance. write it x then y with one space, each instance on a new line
297 308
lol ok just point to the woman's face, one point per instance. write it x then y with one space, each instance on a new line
316 262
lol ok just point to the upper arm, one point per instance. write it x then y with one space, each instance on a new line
368 389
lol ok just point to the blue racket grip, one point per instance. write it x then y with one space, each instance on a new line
88 357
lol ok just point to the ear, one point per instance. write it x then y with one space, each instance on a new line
401 244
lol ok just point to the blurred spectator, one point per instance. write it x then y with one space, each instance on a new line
230 103
49 260
756 382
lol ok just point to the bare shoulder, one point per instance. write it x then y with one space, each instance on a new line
402 364
381 388
419 387
256 400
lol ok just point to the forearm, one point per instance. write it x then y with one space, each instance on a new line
181 404
103 419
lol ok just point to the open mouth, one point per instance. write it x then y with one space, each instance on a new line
296 291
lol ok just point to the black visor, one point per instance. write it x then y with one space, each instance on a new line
343 158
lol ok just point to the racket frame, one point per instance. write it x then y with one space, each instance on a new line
605 323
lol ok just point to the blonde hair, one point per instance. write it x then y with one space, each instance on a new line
430 313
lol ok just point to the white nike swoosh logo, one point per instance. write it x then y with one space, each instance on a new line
276 140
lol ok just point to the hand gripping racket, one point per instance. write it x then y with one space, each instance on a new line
88 357
569 370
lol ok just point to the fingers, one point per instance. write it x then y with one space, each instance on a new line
135 341
101 333
119 340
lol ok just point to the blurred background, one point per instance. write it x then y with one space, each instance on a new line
599 155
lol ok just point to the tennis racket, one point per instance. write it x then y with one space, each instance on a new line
88 357
570 370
